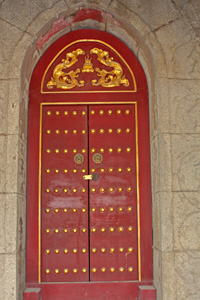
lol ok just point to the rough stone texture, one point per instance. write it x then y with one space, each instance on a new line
186 162
164 35
185 105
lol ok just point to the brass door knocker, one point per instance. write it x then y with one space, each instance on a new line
79 159
97 159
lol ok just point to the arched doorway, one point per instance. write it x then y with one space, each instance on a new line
89 231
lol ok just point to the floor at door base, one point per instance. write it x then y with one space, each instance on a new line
93 291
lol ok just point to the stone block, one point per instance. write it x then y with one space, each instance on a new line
21 186
19 56
147 293
153 13
162 105
9 36
35 26
102 3
32 294
10 223
163 221
164 276
89 23
3 106
8 276
21 13
186 163
157 272
185 61
184 106
123 32
191 11
137 20
13 107
161 163
168 277
12 164
2 223
186 222
174 37
21 222
21 271
3 154
187 275
157 58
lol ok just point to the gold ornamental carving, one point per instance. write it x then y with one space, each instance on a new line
68 80
111 78
87 66
65 80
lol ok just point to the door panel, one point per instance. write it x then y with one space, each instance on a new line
113 197
64 210
88 226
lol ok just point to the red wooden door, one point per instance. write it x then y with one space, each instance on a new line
88 115
89 227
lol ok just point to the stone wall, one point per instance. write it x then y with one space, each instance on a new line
164 35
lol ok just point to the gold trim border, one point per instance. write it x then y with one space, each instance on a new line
80 92
39 197
137 176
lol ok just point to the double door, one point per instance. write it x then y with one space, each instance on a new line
88 207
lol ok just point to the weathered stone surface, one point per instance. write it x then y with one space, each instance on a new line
168 277
113 26
88 24
10 215
158 58
50 13
19 54
9 275
163 221
162 105
157 272
2 225
186 163
103 3
21 271
154 13
3 106
134 18
3 154
171 39
185 61
190 9
12 164
186 223
21 222
185 106
20 13
187 276
21 168
161 163
9 36
13 106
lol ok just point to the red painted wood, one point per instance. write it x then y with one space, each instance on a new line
32 294
141 97
64 223
147 293
120 258
91 290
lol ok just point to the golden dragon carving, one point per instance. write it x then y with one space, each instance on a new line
111 78
65 80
